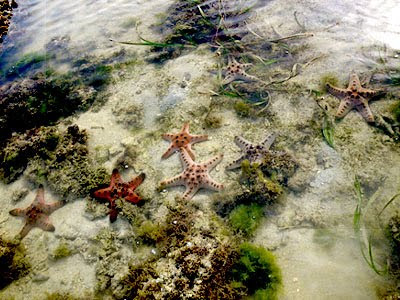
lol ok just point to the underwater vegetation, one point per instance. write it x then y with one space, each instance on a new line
258 271
190 23
246 218
62 251
393 235
42 99
13 263
60 159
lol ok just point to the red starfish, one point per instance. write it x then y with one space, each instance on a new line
182 139
37 214
119 189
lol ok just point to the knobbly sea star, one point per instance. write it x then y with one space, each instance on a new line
182 139
354 96
119 189
253 153
37 214
194 175
236 71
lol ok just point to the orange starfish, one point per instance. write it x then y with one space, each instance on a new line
182 139
37 214
194 175
119 189
354 96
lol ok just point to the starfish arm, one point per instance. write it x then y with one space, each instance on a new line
135 182
185 127
367 93
189 150
354 82
211 163
171 149
168 136
39 195
242 143
344 107
199 138
235 164
49 208
246 77
211 184
174 181
365 111
19 212
246 65
190 192
25 230
43 222
113 214
185 158
266 144
132 197
335 91
104 194
228 78
115 177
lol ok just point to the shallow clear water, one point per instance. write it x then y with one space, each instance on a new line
310 229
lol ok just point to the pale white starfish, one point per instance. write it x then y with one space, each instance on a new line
253 153
236 71
194 175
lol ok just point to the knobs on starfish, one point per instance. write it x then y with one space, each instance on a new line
182 139
194 175
119 189
354 96
37 214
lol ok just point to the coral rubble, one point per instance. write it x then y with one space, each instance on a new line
6 7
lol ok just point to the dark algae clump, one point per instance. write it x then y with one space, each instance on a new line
59 158
6 8
13 263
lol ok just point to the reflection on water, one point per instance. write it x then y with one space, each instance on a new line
309 229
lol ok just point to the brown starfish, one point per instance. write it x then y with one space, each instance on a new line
37 214
182 139
194 175
252 152
119 189
354 96
236 71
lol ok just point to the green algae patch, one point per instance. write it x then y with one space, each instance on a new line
328 78
242 109
246 218
26 63
151 232
62 251
258 272
395 109
13 263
